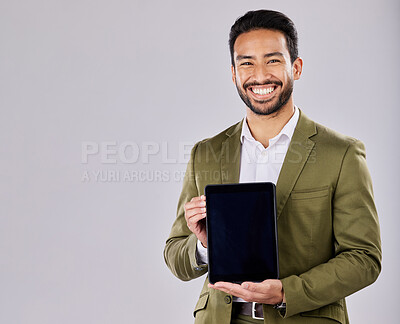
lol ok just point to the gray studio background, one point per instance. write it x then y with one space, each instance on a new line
139 82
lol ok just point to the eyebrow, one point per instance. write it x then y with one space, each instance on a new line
249 57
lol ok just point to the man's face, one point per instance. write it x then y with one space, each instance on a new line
263 73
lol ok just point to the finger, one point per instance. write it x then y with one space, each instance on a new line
199 198
228 287
262 292
249 291
265 286
193 223
251 286
196 218
195 204
195 211
239 291
234 292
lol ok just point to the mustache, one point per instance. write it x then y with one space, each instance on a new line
252 84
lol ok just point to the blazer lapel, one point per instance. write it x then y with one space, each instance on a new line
298 152
230 155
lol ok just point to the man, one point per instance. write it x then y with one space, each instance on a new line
328 231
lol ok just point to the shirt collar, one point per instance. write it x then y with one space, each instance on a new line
287 130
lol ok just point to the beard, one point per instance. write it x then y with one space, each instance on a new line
275 107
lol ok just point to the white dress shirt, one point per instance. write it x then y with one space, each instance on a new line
259 164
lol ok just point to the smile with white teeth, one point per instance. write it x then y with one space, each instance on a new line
263 91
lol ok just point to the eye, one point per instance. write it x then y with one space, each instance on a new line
273 61
246 63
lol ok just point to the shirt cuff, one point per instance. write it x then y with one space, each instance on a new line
201 254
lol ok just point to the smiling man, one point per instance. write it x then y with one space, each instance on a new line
250 58
328 231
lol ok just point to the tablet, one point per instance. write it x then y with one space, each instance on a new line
241 232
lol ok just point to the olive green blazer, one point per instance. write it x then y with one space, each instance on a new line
328 230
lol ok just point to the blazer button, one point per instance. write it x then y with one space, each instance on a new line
228 299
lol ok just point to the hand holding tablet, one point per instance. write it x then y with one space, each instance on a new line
195 213
241 232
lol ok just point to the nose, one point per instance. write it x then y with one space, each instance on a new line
261 73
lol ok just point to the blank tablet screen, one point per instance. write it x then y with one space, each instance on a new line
241 232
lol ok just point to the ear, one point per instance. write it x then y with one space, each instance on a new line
233 74
297 68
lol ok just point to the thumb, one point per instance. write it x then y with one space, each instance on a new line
250 286
246 285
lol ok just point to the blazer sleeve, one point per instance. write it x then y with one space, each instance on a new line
357 261
180 248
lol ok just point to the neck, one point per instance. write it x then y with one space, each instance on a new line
265 127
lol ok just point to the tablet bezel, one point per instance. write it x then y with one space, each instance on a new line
263 187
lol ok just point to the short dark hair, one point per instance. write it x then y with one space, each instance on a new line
265 19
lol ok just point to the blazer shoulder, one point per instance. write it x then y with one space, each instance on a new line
337 145
330 137
325 139
217 140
